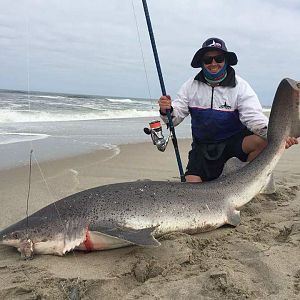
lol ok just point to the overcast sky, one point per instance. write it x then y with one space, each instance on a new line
92 47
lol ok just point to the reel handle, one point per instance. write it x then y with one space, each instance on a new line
147 130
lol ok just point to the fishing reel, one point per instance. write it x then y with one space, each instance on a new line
157 137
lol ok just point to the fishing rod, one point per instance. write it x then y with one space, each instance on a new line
155 128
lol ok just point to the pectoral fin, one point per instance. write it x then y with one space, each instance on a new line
141 237
233 217
270 187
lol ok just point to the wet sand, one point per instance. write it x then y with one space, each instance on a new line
259 259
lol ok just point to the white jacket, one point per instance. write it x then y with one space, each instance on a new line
219 112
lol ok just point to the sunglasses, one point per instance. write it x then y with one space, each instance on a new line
218 59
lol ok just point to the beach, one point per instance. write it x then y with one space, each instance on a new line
258 259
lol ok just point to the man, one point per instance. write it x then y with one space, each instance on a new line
226 115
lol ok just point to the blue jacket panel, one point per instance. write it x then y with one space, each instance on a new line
210 125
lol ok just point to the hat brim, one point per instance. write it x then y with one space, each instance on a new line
231 57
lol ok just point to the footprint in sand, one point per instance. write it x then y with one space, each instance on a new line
284 234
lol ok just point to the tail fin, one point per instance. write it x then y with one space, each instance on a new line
295 131
284 116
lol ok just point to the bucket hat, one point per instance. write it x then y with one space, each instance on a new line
213 44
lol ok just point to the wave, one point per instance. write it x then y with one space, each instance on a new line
49 97
11 138
120 100
9 116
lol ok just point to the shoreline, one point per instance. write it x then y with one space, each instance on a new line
69 139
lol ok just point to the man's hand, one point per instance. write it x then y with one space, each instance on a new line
164 103
290 141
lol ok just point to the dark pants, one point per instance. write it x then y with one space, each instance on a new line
208 160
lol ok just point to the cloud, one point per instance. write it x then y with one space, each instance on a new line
93 47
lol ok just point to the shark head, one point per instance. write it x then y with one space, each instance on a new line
18 239
18 235
43 235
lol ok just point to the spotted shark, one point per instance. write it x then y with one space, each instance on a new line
137 213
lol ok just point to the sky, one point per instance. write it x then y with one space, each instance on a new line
102 47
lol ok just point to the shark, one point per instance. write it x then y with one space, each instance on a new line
138 213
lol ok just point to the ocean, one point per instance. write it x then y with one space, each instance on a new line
56 126
60 125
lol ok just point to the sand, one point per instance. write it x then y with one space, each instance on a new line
259 259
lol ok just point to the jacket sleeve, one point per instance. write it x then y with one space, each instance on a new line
250 110
180 107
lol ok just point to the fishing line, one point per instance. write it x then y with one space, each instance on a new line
28 193
32 154
53 203
142 54
29 109
28 67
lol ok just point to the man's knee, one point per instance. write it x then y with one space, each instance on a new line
253 143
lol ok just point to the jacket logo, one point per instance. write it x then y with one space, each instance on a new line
225 106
